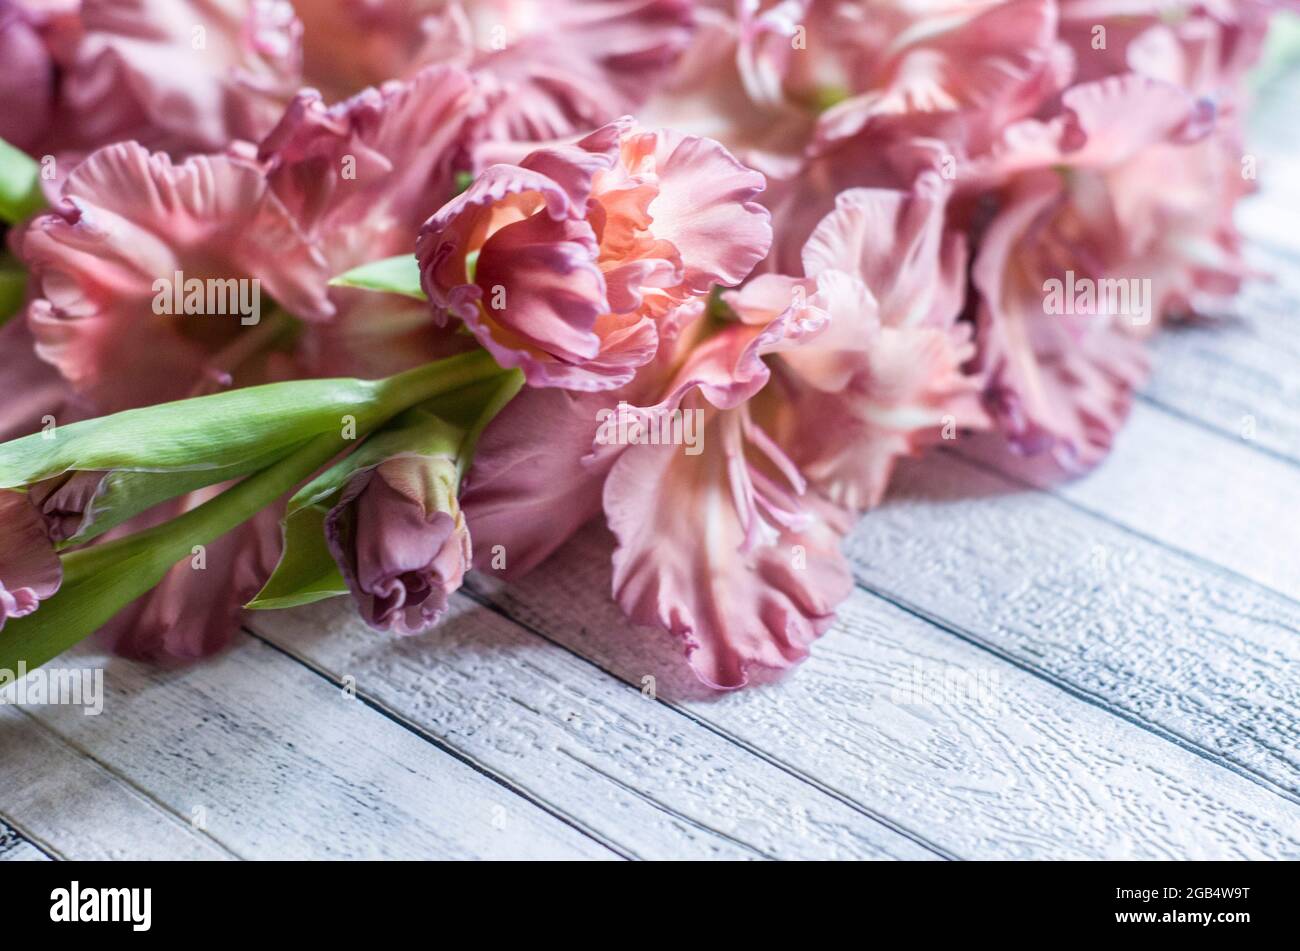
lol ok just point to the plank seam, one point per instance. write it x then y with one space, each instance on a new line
1080 693
130 784
459 755
667 810
843 799
1212 566
1219 431
35 841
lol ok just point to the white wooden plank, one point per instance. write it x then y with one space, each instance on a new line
640 774
275 762
1000 765
1189 488
15 848
1177 644
77 809
1240 375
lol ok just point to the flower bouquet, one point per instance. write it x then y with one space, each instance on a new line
327 299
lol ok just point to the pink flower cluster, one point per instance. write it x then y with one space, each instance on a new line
835 233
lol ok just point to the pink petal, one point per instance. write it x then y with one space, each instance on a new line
129 219
698 557
530 487
30 571
706 209
135 72
196 612
898 245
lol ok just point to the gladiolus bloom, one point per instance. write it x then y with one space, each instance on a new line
564 264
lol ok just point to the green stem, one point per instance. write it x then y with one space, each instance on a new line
101 580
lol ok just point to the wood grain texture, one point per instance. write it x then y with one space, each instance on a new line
15 848
1185 487
636 773
1240 376
272 761
77 808
982 758
1181 647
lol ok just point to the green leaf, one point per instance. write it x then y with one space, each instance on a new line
20 185
124 494
397 275
415 432
214 434
307 571
102 579
473 407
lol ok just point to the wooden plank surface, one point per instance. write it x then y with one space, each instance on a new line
632 771
1182 648
15 848
268 759
1004 764
1187 488
74 806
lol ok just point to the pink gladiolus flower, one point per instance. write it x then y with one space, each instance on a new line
1062 356
37 391
399 538
135 233
176 75
115 259
30 571
27 81
349 45
1206 47
276 229
990 61
555 67
885 379
565 264
789 64
359 178
727 547
564 66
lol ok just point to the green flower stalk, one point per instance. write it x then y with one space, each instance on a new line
274 437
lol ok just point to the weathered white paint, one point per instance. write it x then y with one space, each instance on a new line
57 795
634 771
1021 769
279 763
1186 487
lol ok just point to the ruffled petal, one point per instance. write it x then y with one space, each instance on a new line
1057 383
131 219
706 209
710 550
177 75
